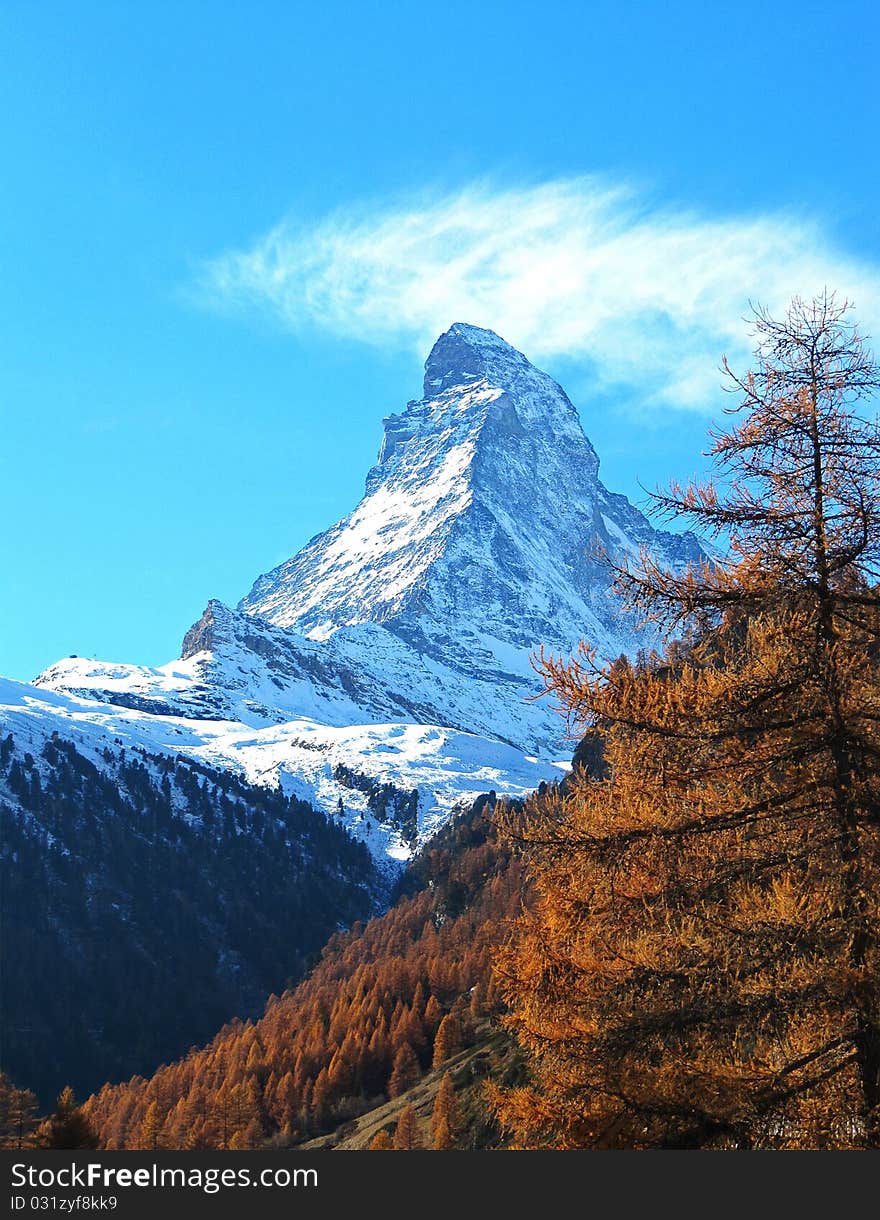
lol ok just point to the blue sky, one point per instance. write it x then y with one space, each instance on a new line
228 233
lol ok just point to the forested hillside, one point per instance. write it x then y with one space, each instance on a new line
388 1000
147 899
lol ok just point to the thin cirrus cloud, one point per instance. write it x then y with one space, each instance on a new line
582 269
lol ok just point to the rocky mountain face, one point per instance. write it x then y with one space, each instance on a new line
396 645
479 534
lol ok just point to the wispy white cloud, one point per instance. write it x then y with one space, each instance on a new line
580 268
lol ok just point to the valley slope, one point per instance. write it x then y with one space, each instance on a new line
207 819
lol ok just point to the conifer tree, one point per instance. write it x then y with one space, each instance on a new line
702 964
405 1072
151 1128
248 1137
407 1137
381 1142
67 1127
433 1013
321 1098
441 1135
444 1118
448 1039
18 1109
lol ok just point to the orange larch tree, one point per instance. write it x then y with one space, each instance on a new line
702 964
445 1115
407 1136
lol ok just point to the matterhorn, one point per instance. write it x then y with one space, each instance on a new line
384 673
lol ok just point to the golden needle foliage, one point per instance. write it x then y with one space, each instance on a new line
701 966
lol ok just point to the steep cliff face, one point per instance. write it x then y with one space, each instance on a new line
396 646
480 527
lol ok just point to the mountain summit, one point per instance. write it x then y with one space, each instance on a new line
384 671
481 521
462 505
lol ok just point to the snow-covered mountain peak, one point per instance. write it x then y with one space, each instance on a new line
470 353
407 628
486 466
466 358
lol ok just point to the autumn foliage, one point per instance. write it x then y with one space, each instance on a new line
18 1115
67 1126
701 967
445 1115
407 1135
364 1026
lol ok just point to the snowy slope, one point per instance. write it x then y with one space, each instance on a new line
238 667
372 769
479 535
394 649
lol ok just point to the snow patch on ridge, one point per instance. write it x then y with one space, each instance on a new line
445 768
